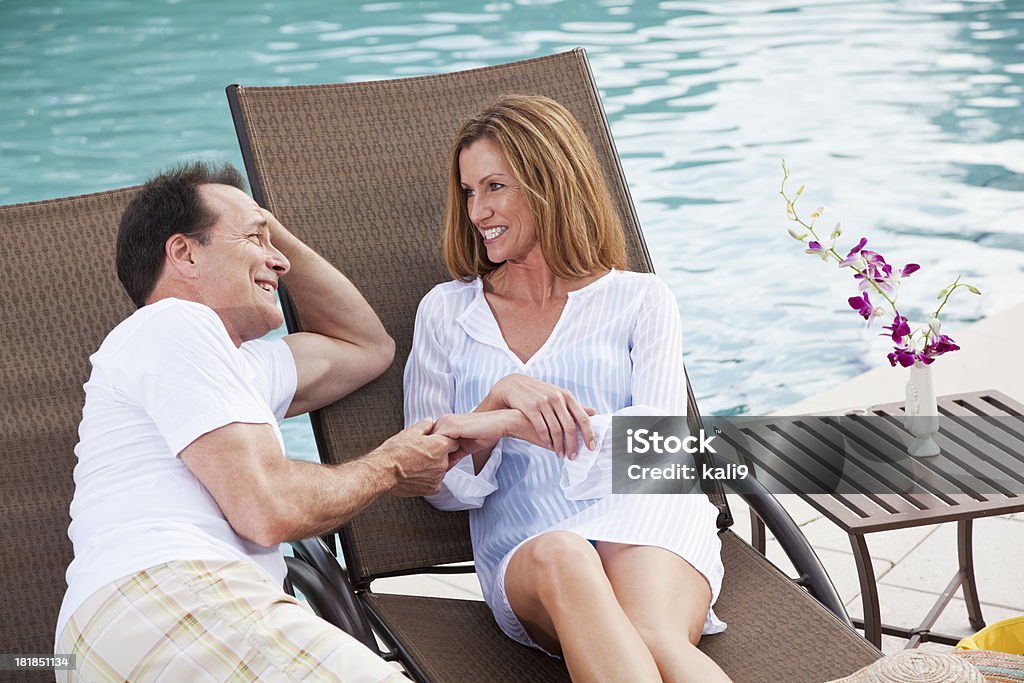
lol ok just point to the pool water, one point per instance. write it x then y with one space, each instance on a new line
902 117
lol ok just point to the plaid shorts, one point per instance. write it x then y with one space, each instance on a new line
209 621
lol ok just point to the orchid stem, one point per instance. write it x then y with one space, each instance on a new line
952 288
831 250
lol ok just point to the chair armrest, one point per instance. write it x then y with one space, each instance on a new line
812 574
315 554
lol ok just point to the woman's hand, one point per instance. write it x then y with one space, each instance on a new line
553 412
476 432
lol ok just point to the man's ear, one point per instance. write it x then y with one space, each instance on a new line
180 253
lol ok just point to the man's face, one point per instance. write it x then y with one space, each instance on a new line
239 268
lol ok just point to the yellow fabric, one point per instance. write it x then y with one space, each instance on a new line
1003 636
200 621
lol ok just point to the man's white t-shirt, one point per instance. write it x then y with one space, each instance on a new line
165 376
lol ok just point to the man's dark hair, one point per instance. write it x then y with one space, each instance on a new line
169 203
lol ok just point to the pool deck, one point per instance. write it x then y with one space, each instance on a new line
912 565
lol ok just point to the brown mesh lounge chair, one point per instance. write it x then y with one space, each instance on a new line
358 171
58 303
60 298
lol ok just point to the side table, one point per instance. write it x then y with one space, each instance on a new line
859 514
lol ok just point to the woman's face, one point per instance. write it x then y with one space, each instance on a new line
496 203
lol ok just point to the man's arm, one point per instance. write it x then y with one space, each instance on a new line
268 499
344 344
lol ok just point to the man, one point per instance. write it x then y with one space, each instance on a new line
183 493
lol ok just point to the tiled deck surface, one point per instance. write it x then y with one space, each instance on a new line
912 565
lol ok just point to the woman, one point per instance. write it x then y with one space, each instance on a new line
541 321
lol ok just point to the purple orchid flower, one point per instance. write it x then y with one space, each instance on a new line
881 273
816 249
862 304
938 346
867 310
854 254
873 258
899 328
904 356
876 270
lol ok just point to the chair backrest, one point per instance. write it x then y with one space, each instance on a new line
60 298
358 171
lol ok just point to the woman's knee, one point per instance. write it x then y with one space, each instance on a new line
661 620
560 560
662 594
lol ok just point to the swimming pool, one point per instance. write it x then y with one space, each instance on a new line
903 118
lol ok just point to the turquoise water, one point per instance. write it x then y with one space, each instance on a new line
903 117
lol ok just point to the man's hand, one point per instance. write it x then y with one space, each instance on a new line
554 412
418 459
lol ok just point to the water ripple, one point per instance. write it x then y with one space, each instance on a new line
904 118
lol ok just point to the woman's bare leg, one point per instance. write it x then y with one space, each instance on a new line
557 587
667 601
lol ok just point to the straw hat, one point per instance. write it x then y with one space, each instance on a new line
915 666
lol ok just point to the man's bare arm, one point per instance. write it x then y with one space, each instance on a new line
268 499
344 344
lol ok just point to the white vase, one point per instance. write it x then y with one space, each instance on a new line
922 419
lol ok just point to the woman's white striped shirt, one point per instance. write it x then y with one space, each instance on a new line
617 344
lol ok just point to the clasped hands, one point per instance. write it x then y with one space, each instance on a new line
525 408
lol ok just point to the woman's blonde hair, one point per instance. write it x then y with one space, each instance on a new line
576 223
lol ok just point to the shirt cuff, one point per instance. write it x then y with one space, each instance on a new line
589 476
463 490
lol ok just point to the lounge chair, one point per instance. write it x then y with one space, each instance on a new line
60 298
358 171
